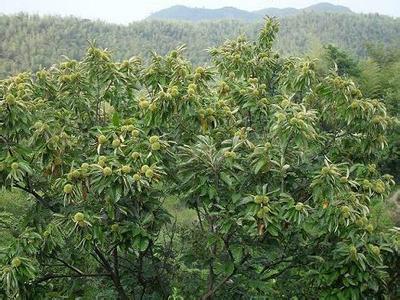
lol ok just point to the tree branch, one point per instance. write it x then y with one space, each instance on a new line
211 292
39 198
275 263
282 271
68 265
55 276
115 278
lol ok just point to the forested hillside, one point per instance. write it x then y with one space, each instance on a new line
29 42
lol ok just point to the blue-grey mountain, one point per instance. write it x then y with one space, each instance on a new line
184 13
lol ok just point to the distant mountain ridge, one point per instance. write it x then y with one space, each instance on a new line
195 14
184 13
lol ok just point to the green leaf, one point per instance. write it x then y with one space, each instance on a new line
228 267
141 243
116 119
226 178
259 165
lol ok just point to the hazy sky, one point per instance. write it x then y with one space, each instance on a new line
125 11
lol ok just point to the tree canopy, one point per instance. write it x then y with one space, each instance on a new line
279 164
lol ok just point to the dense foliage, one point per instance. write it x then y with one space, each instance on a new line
377 77
279 162
380 78
29 42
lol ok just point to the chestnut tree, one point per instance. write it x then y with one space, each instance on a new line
277 163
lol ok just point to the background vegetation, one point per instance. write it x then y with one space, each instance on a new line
31 42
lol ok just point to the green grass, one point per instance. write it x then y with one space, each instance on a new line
13 202
183 215
386 213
